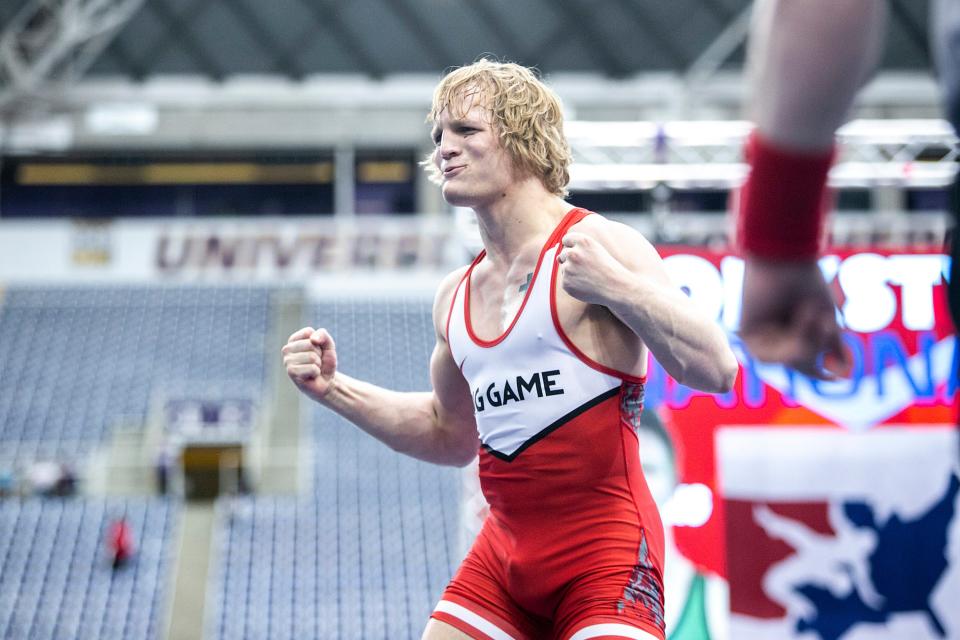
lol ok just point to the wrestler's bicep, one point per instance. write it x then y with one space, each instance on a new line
450 387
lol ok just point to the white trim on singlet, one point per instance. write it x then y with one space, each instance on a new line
612 629
473 619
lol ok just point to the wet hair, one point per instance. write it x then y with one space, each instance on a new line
525 113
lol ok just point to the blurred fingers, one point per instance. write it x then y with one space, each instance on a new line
813 370
838 362
790 349
811 343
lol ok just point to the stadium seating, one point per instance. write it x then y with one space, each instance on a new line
56 580
365 554
75 360
369 552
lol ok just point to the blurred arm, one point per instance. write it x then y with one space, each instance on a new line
807 60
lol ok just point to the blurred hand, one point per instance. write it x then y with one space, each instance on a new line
789 317
310 358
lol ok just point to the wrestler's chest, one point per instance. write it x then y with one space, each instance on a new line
494 310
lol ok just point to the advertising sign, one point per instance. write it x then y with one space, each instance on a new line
834 533
820 505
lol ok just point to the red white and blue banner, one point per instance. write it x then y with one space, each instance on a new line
832 507
834 533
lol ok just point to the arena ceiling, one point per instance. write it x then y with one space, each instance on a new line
173 74
298 38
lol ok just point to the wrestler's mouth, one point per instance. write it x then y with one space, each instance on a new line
449 172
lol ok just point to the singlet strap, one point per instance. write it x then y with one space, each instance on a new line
459 288
573 216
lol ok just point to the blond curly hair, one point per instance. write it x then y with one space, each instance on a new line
526 114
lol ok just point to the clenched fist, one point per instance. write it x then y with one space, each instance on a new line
310 358
789 317
587 270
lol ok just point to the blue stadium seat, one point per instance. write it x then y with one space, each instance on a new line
369 552
113 347
56 580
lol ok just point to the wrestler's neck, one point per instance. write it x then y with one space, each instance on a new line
522 215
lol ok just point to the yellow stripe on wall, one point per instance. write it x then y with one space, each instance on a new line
383 171
64 174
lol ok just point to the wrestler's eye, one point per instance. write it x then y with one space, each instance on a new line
436 138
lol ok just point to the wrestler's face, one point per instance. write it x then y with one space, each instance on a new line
475 168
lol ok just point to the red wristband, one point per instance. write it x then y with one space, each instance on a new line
783 202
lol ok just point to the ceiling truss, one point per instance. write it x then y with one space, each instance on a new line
55 41
708 155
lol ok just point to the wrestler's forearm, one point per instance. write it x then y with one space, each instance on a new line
806 62
407 422
691 348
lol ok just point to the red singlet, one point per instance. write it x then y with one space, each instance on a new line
573 546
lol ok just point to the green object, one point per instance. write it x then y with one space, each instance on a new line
693 624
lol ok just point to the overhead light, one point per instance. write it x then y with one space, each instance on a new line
702 133
121 119
731 174
52 134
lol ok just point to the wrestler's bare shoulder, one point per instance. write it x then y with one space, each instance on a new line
624 242
609 231
445 292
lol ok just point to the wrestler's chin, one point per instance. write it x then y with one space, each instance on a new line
456 197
